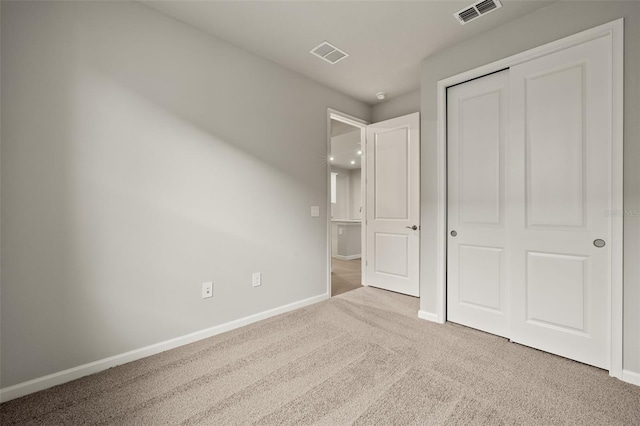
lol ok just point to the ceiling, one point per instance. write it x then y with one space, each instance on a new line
339 128
386 40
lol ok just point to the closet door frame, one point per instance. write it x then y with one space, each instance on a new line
614 31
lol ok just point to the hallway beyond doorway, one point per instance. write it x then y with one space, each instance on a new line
346 275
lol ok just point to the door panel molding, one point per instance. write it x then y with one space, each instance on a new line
614 31
393 204
478 120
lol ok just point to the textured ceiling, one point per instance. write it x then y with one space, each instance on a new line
386 40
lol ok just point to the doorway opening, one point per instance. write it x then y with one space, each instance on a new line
346 202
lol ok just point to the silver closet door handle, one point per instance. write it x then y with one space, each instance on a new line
599 243
414 227
454 233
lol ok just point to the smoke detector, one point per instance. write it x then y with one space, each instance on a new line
328 52
476 10
381 96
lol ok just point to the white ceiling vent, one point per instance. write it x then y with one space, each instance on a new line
328 52
476 10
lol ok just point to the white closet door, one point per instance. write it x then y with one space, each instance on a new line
393 204
477 286
559 174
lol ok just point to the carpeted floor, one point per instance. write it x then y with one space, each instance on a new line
360 358
346 275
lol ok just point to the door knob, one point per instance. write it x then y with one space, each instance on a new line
599 243
454 233
414 227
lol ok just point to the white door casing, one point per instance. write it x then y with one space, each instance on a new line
477 292
393 197
559 188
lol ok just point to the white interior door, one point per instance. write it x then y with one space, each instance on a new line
477 290
393 210
529 185
559 191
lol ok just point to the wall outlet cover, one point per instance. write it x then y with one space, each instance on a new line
315 211
207 290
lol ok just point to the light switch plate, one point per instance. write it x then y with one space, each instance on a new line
315 211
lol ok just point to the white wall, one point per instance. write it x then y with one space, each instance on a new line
348 194
355 194
396 107
140 158
340 209
545 25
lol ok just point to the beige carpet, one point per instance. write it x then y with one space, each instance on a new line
360 358
346 275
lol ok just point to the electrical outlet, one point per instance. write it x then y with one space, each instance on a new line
257 279
207 290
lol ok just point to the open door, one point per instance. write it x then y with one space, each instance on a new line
393 211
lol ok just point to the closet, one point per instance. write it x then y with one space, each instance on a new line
528 190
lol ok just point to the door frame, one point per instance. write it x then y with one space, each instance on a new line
615 30
333 114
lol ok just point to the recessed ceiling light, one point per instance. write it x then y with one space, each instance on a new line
330 158
359 152
381 96
353 161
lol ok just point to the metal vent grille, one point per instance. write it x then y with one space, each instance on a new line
476 10
485 6
469 14
328 52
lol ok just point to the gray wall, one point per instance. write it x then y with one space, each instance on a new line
545 25
396 107
140 158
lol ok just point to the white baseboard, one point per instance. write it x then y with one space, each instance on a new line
45 382
428 316
631 377
353 256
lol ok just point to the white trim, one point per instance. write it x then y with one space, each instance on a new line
428 316
342 222
345 118
362 125
441 204
615 30
353 256
617 232
631 377
45 382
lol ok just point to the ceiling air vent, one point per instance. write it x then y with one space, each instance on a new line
476 10
328 52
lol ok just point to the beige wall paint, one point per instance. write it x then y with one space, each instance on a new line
545 25
141 158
